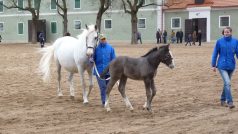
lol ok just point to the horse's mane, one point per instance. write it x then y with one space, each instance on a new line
152 50
85 31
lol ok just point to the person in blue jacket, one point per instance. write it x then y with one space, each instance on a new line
104 54
223 59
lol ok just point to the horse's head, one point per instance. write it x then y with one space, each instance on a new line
91 39
166 56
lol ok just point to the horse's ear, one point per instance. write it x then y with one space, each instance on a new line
96 27
86 26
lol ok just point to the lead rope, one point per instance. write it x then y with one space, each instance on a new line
95 67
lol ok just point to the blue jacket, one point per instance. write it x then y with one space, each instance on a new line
104 54
226 48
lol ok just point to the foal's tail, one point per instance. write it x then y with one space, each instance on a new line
102 75
45 61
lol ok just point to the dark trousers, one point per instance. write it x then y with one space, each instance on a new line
181 39
103 87
158 40
42 43
188 42
178 40
139 40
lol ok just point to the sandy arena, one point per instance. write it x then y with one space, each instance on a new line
187 99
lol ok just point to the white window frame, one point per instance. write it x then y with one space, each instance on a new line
23 3
105 24
2 6
75 5
220 20
179 23
22 28
51 4
2 27
51 27
138 23
75 24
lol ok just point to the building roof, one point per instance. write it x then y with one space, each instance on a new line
208 3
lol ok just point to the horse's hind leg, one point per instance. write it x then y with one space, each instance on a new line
59 78
121 89
71 85
109 88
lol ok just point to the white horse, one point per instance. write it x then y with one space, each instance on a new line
73 55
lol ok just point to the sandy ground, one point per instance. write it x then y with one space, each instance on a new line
187 99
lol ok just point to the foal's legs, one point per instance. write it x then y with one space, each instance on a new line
71 85
109 88
153 90
148 95
59 78
121 89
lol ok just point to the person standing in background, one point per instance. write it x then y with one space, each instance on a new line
199 37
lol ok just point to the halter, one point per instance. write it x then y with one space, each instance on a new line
91 47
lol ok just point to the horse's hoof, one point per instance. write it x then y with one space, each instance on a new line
108 109
72 97
85 103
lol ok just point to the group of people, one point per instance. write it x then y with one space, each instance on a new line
194 37
173 37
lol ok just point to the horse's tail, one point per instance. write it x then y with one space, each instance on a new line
102 75
45 61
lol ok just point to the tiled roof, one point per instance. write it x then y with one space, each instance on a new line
208 3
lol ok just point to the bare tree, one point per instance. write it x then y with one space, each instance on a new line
62 11
33 10
132 7
104 5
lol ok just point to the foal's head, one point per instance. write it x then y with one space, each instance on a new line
91 39
166 56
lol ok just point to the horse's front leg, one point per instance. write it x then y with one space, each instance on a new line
148 95
121 89
90 75
82 81
71 85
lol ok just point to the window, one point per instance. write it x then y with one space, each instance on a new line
20 28
77 4
53 4
108 24
53 27
77 24
141 23
1 6
35 3
1 27
224 21
175 23
20 3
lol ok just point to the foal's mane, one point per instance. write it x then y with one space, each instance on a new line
151 51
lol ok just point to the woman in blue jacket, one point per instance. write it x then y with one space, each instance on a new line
104 54
225 50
